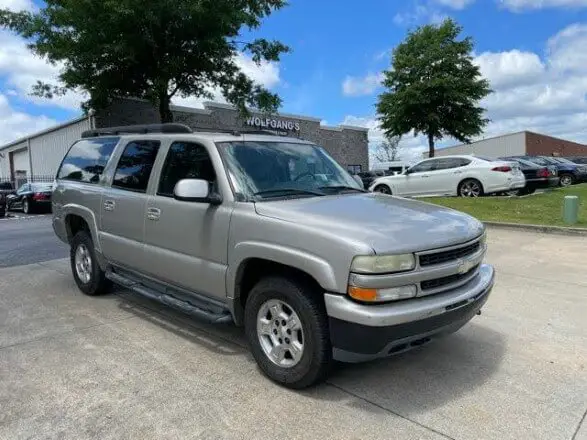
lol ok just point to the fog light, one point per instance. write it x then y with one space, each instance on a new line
382 295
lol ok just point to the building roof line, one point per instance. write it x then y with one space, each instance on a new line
43 132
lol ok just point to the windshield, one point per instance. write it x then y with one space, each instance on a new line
550 160
539 160
563 160
256 169
41 187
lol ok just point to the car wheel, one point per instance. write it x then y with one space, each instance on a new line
88 275
566 180
287 329
470 188
383 189
26 206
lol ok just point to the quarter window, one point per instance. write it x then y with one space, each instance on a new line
86 159
185 160
135 165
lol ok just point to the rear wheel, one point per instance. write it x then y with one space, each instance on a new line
287 329
470 188
566 180
383 189
88 275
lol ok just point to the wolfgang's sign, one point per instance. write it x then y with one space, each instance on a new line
273 123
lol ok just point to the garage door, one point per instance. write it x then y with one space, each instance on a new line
20 162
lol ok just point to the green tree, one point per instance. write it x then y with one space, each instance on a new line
433 87
150 49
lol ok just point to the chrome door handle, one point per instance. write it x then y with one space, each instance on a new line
153 213
109 205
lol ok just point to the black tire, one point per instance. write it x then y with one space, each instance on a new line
27 206
98 284
306 302
465 183
566 180
383 189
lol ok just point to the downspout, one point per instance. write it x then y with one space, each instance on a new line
28 147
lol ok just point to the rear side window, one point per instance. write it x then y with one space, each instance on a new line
86 159
135 165
185 161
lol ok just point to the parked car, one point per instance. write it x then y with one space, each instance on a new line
368 177
31 197
465 176
5 190
537 176
271 233
568 173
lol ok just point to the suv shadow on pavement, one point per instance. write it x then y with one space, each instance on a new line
407 384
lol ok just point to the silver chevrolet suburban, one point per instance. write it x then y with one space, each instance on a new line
272 234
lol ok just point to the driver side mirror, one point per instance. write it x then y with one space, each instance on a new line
196 190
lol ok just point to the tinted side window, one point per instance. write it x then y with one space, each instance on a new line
86 159
428 165
135 165
185 161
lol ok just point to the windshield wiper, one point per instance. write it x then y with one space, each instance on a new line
340 188
287 191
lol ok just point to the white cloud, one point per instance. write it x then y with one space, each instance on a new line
15 124
21 69
522 5
265 74
17 5
510 68
366 85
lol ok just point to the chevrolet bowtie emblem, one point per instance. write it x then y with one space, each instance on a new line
465 266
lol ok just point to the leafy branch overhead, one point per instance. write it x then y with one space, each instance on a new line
433 87
153 50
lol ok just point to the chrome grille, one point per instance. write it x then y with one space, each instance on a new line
445 281
449 255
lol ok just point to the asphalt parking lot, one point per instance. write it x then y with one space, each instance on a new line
121 367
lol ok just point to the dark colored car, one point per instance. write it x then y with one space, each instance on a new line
537 176
568 173
31 197
5 189
368 177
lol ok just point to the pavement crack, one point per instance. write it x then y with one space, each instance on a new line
579 425
364 399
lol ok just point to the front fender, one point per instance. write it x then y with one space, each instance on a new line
311 264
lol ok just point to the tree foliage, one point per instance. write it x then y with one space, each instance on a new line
388 150
433 87
150 49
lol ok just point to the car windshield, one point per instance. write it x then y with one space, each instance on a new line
260 170
550 160
563 160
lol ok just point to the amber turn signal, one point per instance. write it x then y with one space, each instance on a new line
362 294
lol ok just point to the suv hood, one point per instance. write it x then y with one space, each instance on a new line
387 224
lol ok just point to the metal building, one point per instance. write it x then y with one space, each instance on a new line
38 156
517 144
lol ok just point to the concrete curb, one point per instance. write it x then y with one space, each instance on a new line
561 230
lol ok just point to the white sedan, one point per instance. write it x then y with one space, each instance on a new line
465 176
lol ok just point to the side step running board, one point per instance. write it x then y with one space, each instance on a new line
215 317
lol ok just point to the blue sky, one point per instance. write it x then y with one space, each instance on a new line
533 52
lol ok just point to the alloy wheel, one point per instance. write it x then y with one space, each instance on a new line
83 264
280 333
470 189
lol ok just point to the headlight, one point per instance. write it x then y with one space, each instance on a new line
383 263
382 295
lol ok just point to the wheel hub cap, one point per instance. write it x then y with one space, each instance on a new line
83 263
280 333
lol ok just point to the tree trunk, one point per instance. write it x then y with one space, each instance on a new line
430 145
164 110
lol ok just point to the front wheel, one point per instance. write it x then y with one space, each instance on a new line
26 206
470 188
287 329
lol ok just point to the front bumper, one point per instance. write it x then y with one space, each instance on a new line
364 332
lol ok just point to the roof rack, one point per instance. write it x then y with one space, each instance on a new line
234 131
138 129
